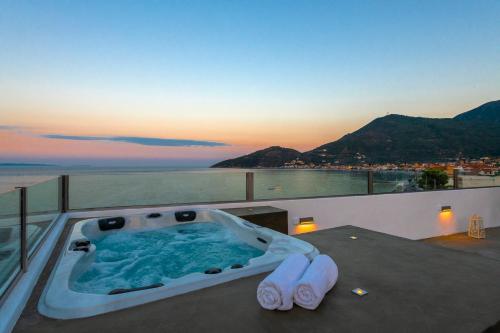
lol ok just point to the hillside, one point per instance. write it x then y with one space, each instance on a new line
397 138
271 157
487 112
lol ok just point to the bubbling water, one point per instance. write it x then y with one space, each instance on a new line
137 259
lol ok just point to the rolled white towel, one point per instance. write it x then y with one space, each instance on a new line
276 290
318 279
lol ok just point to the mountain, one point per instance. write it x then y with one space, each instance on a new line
271 157
487 112
396 138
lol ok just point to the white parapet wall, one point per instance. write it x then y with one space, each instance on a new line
413 215
410 215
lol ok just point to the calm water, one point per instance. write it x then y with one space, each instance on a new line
110 187
138 259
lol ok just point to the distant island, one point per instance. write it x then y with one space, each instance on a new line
394 139
14 164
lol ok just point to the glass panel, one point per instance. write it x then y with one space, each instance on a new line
155 188
10 244
275 184
435 179
43 197
395 181
42 209
482 178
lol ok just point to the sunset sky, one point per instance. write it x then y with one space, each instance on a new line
194 82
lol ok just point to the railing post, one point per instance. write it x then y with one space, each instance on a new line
455 178
64 193
249 186
370 181
23 230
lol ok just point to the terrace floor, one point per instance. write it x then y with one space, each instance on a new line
488 247
412 286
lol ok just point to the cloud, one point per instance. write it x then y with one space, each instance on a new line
21 130
73 137
8 128
138 140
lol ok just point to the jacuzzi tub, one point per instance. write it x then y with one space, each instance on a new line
116 263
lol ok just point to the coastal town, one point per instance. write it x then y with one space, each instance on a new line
484 166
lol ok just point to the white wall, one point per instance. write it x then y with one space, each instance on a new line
411 215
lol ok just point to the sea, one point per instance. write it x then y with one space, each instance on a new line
102 187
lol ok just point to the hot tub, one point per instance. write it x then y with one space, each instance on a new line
118 262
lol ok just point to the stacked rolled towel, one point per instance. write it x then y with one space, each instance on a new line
276 290
318 279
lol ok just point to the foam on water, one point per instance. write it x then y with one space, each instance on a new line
136 259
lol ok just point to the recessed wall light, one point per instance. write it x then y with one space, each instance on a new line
445 209
306 220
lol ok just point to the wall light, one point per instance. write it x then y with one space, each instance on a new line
447 220
306 220
305 224
445 209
